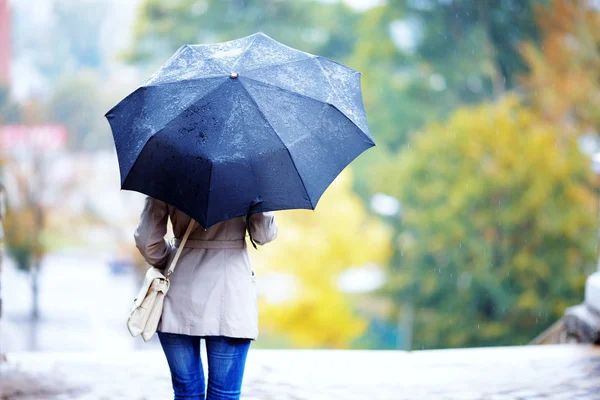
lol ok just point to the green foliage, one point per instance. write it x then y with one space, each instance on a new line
452 30
311 26
459 52
497 234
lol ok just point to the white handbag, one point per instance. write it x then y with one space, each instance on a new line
148 304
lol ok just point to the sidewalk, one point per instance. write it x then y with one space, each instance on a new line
531 372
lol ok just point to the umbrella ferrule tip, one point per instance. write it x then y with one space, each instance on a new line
234 75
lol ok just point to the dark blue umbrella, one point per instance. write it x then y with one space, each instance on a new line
249 125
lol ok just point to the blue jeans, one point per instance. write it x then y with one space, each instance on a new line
226 362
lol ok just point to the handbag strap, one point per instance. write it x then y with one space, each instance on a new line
179 249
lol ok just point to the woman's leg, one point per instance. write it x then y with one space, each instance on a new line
183 357
226 362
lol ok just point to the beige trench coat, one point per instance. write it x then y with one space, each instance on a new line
212 290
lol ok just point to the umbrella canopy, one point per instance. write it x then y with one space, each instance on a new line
249 125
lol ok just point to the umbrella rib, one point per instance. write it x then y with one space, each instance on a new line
333 89
277 64
354 123
167 123
285 89
211 59
200 78
312 98
191 104
212 166
237 61
327 77
282 142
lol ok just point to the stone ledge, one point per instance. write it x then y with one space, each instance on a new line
21 385
582 324
501 373
592 292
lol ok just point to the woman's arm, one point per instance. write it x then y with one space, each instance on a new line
263 227
150 233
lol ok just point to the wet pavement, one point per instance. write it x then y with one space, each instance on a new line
70 320
67 354
530 372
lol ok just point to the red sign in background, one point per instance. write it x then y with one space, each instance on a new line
44 137
5 55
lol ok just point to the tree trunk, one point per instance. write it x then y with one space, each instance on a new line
38 252
35 306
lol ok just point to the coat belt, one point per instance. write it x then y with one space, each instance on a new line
212 244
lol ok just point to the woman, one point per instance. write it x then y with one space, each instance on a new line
212 296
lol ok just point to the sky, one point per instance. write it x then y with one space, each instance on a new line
27 80
120 24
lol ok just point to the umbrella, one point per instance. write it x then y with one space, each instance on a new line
250 125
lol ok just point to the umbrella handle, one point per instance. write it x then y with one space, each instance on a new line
254 203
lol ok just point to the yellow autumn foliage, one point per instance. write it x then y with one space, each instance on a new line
315 248
498 226
563 82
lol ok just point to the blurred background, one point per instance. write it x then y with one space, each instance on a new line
472 223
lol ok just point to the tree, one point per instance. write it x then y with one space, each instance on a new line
314 248
497 234
25 175
25 223
422 59
309 25
563 84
